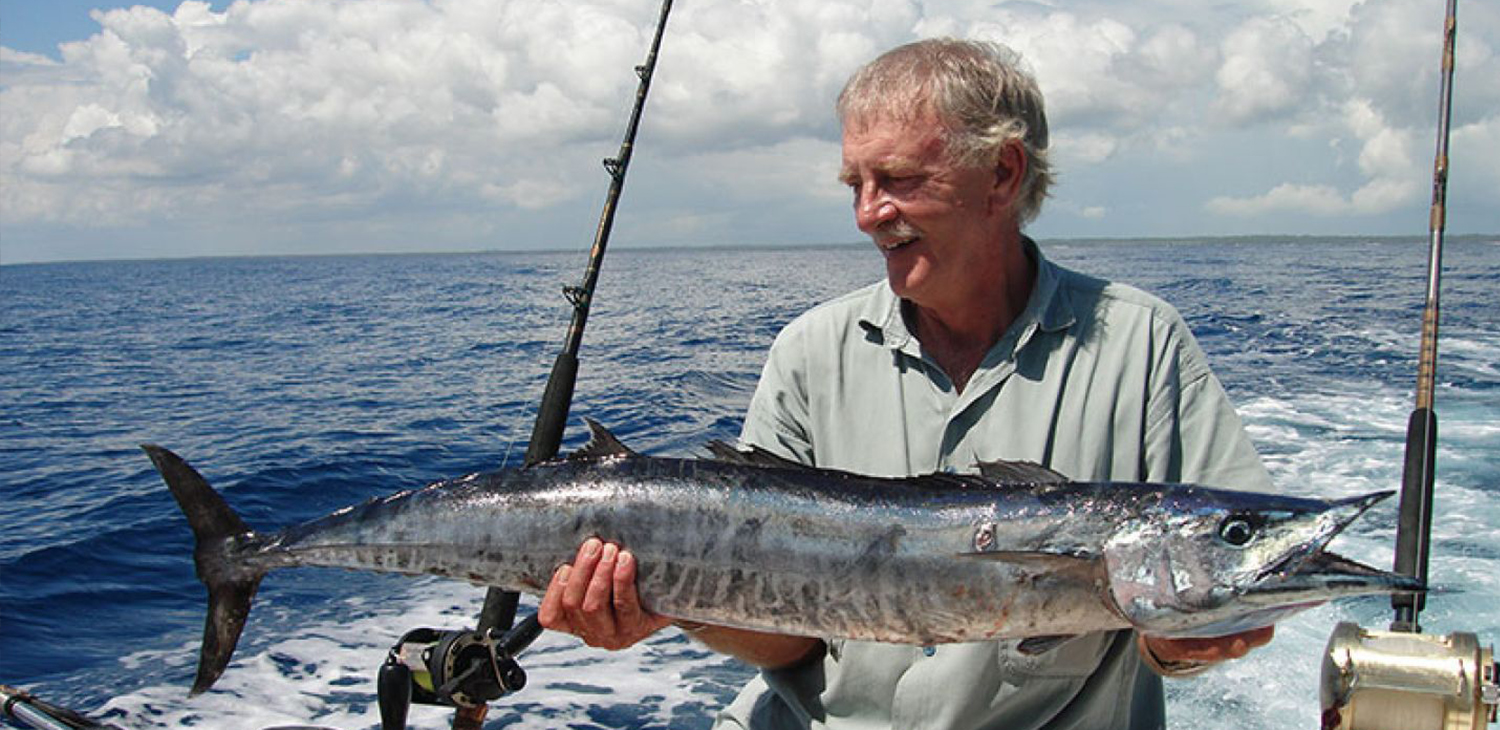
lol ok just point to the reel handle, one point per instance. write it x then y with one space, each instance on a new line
393 688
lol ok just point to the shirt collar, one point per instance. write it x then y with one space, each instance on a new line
1048 309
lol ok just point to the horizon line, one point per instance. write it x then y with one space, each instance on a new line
1086 240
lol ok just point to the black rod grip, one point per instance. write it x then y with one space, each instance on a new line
552 415
1415 521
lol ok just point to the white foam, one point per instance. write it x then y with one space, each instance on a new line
318 664
323 673
1348 440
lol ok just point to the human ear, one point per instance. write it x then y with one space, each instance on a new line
1010 171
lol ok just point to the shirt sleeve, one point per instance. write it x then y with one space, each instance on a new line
778 420
778 417
1193 433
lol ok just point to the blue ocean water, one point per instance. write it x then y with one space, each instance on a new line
300 385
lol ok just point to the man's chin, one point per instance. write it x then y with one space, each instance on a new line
904 278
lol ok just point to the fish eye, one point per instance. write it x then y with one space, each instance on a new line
1237 530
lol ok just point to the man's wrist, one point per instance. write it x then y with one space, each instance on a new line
1168 668
691 628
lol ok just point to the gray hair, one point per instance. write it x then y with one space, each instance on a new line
979 91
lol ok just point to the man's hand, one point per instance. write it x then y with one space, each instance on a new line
595 599
1186 656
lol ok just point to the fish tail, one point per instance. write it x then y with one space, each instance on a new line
230 585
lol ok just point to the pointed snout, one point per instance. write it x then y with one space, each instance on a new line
1336 575
1345 511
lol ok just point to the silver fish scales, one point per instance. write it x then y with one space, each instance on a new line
749 540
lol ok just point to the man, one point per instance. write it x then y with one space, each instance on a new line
975 347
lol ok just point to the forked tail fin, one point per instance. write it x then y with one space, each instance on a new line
230 586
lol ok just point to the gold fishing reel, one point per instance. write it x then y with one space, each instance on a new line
1382 680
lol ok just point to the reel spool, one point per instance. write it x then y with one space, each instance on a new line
1379 680
450 668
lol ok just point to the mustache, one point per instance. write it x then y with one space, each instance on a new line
896 230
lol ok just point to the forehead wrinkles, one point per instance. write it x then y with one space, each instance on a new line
912 107
893 145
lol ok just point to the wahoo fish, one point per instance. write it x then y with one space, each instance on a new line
750 540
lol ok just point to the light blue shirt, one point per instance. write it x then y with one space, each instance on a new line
1096 380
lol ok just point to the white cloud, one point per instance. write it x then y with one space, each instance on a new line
1372 80
376 98
531 193
802 167
1094 69
1083 149
10 56
1318 19
174 115
336 112
1064 207
1392 176
1315 199
1266 71
1475 151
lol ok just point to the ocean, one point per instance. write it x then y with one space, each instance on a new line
300 385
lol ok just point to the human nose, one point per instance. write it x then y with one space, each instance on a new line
873 207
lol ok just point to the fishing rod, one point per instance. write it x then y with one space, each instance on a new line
468 669
1414 531
1402 678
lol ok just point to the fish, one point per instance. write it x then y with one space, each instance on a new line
747 539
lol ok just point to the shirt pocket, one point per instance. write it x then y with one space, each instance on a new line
1075 658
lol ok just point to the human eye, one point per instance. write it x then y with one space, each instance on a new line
852 184
904 182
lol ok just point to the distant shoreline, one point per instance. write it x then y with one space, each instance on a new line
1257 239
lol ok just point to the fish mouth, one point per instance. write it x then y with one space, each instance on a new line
1314 569
1334 571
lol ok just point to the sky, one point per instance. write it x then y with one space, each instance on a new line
335 126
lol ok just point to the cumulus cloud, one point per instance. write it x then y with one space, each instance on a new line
1387 161
1317 19
1317 199
159 114
1370 88
1082 149
1096 69
366 101
1478 172
448 111
1266 70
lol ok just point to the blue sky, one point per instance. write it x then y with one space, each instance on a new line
325 126
38 26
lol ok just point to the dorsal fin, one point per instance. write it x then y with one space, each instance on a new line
602 444
1019 472
751 456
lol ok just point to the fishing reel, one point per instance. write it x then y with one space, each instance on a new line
1379 680
454 668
